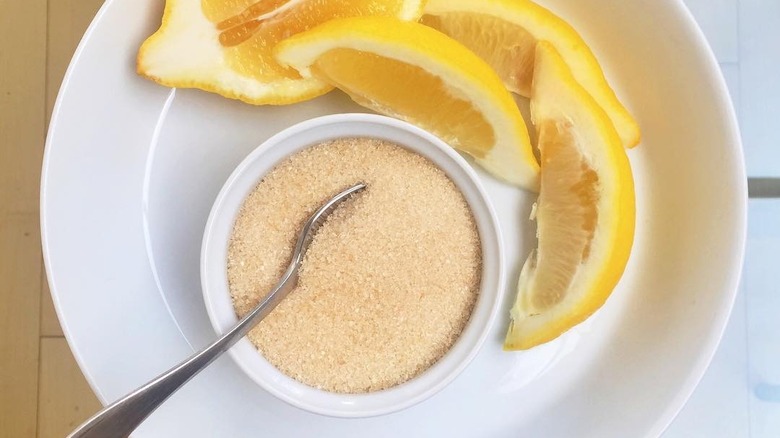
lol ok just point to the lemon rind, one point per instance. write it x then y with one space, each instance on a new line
544 25
613 238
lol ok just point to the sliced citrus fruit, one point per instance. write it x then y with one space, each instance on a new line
504 33
585 211
412 72
225 46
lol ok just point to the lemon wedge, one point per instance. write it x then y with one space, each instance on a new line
415 73
585 212
225 46
505 32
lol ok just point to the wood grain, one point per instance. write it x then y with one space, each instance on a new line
68 19
50 325
20 272
22 100
65 399
22 112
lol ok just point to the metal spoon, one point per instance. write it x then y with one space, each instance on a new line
123 416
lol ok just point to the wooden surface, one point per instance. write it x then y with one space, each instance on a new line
42 391
64 400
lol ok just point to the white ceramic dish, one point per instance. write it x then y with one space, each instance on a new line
131 170
220 225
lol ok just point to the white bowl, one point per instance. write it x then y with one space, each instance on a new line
132 169
243 180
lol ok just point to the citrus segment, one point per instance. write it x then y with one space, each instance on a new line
585 211
504 33
454 118
225 46
412 72
219 10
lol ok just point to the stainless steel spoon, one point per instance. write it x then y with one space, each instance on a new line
123 416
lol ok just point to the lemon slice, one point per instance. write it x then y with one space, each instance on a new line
505 32
412 72
585 211
225 46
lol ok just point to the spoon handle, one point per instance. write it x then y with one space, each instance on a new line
123 416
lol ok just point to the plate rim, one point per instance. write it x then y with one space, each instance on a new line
740 185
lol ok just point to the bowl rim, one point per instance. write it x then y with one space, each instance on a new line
739 193
430 381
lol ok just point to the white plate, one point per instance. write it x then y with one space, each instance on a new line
131 170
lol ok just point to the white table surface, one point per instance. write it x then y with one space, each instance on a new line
739 395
